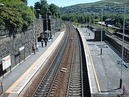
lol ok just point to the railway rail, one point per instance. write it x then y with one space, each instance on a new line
75 87
64 77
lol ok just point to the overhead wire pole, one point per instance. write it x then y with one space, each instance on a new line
46 28
47 23
122 61
47 19
101 50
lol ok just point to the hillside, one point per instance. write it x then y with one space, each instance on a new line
111 6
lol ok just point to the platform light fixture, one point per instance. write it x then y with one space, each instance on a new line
101 50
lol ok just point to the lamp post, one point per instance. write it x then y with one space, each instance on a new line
101 50
49 24
122 61
122 54
34 32
54 28
47 20
50 29
46 29
1 83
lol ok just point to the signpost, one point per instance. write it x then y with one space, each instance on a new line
6 62
20 49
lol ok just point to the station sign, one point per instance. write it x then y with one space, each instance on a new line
6 62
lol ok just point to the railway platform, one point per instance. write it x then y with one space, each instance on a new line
103 70
14 82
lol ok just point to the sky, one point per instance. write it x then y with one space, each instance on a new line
62 3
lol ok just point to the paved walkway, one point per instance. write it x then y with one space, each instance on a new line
9 78
106 65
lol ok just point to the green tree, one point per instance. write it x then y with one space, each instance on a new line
15 14
37 7
54 9
41 7
44 7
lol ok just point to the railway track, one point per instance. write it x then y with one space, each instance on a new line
75 87
64 77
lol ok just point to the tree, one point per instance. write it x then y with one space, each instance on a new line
15 14
44 7
41 8
80 17
54 9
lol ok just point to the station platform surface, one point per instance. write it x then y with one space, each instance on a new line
93 79
16 80
107 66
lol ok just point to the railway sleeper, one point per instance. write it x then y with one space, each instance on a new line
75 91
76 83
78 89
75 86
75 94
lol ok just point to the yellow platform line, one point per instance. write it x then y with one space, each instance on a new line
95 74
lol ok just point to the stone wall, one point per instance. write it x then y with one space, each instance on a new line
11 46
